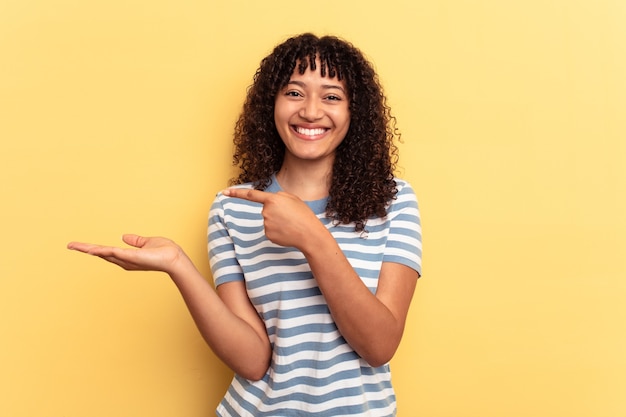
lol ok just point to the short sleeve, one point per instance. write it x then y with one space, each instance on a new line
222 258
404 243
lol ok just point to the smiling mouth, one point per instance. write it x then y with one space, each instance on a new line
309 132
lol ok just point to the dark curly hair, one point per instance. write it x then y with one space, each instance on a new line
362 182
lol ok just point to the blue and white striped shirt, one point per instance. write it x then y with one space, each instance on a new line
313 371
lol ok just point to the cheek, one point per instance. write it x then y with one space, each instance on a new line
345 119
281 113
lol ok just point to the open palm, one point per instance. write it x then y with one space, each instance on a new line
146 253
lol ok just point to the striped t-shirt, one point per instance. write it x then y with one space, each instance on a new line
313 371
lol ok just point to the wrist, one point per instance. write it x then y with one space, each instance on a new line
318 240
180 266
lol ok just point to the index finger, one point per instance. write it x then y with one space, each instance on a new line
248 194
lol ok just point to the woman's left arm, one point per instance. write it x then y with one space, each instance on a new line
371 323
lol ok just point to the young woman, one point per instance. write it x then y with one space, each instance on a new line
316 248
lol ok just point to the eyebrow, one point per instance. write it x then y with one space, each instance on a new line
324 86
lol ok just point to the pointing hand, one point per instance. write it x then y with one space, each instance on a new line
287 219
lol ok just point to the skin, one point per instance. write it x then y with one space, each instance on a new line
312 117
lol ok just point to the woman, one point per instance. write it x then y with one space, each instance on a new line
315 250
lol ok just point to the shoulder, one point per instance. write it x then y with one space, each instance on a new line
403 186
223 204
405 194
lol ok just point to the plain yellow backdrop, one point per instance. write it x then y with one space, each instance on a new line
116 116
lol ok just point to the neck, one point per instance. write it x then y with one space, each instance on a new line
308 181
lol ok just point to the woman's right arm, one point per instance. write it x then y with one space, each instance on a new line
226 318
227 321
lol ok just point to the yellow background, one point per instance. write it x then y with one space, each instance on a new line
116 116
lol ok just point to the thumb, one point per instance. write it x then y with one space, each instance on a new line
134 240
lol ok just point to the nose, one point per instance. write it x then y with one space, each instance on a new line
311 109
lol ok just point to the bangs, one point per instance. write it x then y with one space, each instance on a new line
328 66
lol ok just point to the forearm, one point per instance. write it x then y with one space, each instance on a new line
366 323
231 338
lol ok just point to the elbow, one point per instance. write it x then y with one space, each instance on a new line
250 364
380 357
380 352
376 362
254 376
254 372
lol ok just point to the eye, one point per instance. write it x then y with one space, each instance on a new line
293 93
333 97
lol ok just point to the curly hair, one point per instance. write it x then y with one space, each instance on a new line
362 179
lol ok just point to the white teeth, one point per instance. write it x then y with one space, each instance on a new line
310 132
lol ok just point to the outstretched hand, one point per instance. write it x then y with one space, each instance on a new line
287 219
146 254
